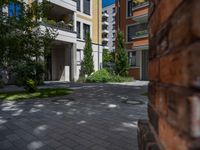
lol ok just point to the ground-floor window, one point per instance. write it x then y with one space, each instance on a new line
86 30
78 53
132 58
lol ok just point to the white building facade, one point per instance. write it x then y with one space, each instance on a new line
64 63
108 27
73 20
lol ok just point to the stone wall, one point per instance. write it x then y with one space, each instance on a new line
174 73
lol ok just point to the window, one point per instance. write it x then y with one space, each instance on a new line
86 30
114 26
78 53
132 58
78 24
113 35
104 19
113 18
129 10
14 9
86 7
105 27
113 9
78 5
113 43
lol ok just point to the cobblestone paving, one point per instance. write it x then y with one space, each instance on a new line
94 117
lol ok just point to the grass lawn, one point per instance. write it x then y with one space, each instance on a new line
40 93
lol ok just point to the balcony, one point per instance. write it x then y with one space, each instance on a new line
65 32
140 5
62 20
141 18
105 23
137 31
140 12
68 4
105 39
105 15
140 34
105 47
105 31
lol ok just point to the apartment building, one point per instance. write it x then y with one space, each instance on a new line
73 20
81 17
108 28
131 19
89 18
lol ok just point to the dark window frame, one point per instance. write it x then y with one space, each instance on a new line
78 5
86 30
78 28
132 59
14 9
78 61
129 8
87 7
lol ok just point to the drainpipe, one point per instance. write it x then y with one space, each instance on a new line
98 38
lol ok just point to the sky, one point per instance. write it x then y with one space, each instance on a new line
107 2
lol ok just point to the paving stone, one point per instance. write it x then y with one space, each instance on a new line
5 144
96 119
13 137
64 148
52 143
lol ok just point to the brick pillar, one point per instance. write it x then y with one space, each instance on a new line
174 73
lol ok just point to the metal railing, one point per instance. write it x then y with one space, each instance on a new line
58 25
138 5
142 33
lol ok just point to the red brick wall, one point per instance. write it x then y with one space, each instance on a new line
174 73
134 72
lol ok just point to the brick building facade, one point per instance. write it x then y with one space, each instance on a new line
131 19
174 74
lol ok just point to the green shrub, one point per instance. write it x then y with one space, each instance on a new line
2 84
30 85
103 76
81 79
100 76
117 78
87 66
121 57
31 70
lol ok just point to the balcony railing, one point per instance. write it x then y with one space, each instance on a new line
140 34
58 25
140 5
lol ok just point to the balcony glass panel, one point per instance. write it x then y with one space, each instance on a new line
60 18
137 31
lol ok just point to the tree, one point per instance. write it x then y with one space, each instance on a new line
21 38
107 56
87 65
121 57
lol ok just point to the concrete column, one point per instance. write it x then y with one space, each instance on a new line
73 63
67 65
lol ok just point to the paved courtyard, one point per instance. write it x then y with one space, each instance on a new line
94 117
